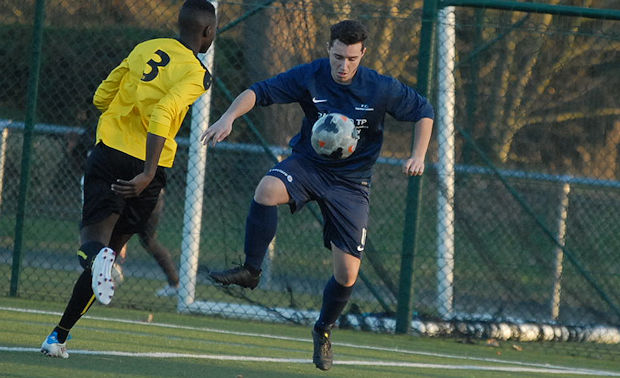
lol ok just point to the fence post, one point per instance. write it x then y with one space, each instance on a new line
31 109
414 194
559 252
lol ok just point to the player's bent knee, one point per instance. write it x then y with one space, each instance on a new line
87 253
271 191
346 280
346 267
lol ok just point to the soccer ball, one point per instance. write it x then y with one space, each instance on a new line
334 135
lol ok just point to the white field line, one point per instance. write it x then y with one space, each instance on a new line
520 365
417 365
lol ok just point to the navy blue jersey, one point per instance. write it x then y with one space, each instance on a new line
366 100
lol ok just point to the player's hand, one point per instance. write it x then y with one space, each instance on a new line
414 166
217 132
132 188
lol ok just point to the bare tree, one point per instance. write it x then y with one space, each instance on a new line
536 72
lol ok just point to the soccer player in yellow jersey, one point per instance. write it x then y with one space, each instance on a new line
143 102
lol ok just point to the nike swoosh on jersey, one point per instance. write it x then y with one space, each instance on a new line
316 101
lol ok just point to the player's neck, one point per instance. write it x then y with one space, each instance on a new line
189 43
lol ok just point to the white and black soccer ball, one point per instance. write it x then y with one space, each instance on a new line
334 135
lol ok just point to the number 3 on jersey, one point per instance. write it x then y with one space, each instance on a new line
165 59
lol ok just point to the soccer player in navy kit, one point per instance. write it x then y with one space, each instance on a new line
341 187
143 103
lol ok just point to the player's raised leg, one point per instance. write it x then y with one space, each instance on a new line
260 229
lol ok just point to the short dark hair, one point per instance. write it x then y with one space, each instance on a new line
195 14
204 5
348 32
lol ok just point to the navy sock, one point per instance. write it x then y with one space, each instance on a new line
260 228
335 298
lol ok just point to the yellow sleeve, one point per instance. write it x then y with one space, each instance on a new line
108 88
179 97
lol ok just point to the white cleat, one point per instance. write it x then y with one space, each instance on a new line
102 283
52 348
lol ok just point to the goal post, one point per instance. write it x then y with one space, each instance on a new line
446 39
194 190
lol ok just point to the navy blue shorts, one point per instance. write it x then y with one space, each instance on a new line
104 166
344 204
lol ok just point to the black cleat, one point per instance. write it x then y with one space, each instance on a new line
240 275
323 356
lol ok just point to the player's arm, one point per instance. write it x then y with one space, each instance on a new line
283 88
414 166
223 126
405 104
108 88
135 186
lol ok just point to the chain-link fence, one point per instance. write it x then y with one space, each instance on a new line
518 232
530 119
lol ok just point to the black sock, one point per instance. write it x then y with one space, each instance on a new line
61 334
87 253
81 300
335 298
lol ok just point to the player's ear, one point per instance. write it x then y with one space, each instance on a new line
363 52
327 45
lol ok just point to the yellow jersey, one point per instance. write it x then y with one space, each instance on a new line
149 92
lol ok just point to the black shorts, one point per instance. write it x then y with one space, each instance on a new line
344 204
104 166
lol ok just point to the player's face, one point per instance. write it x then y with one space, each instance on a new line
344 60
